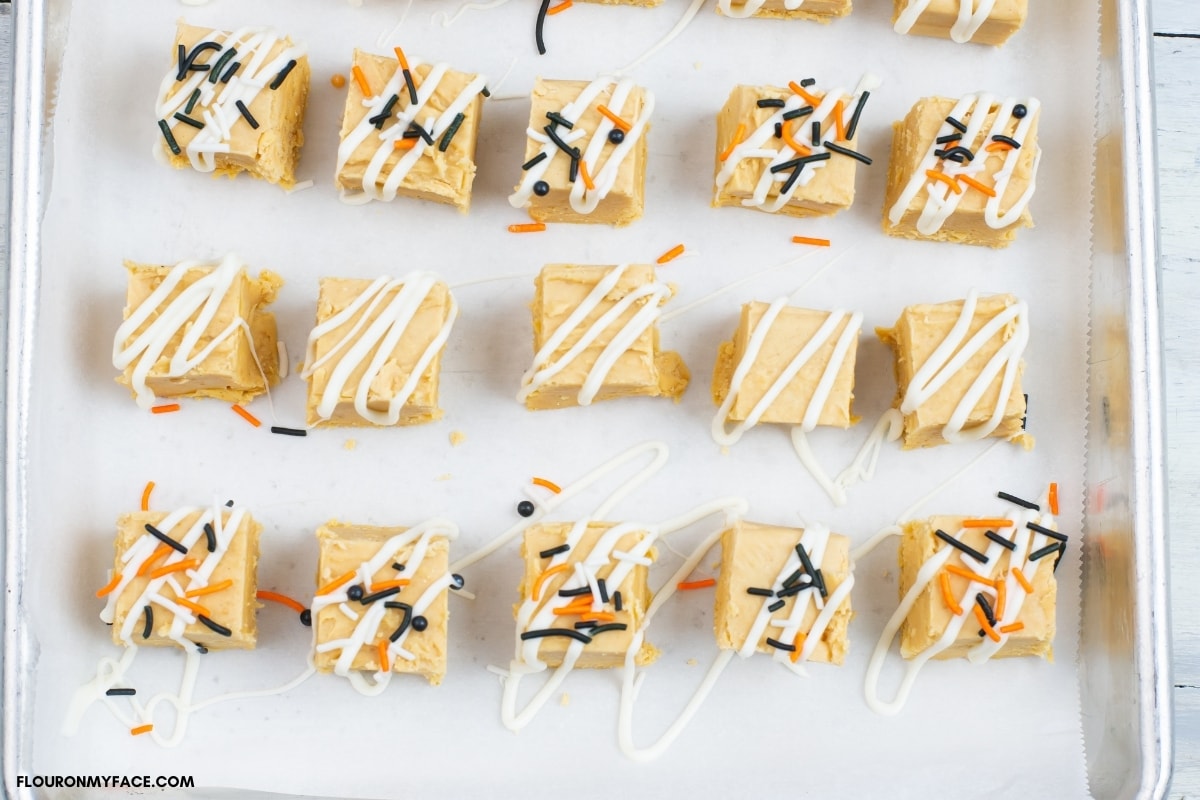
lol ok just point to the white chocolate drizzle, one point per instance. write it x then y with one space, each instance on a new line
971 16
545 366
376 184
603 172
756 145
941 199
377 342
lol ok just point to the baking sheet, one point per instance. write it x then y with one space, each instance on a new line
111 201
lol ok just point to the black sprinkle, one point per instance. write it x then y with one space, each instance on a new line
367 599
807 82
573 152
201 649
186 120
121 692
816 131
617 604
283 73
846 151
457 581
199 67
182 61
1038 555
419 623
190 61
1000 540
793 578
412 87
542 633
603 587
770 102
611 626
229 504
797 589
396 565
485 92
796 113
167 540
541 22
778 604
355 592
253 124
778 645
553 551
1062 549
417 130
580 592
999 137
148 628
541 188
966 548
798 163
1012 498
958 126
579 626
805 561
191 103
288 431
525 508
982 600
554 116
778 130
214 626
229 73
533 162
306 617
220 65
1025 416
757 592
210 537
948 138
1033 526
957 153
819 580
384 113
170 137
1019 111
791 181
852 127
616 136
448 136
404 620
574 170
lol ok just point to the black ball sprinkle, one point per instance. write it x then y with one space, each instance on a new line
541 188
458 581
355 593
1019 111
616 136
525 508
306 617
419 624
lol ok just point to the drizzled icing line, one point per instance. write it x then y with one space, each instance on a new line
755 145
376 183
378 342
582 199
942 200
971 16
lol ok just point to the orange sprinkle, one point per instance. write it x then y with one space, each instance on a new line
246 415
810 240
1052 499
672 254
338 80
965 573
944 178
212 588
1021 579
282 599
948 596
148 564
140 729
547 484
734 142
194 607
702 584
580 605
997 146
404 144
107 588
974 184
797 643
383 655
334 584
400 57
1013 628
146 495
361 79
987 626
165 409
587 179
381 585
839 109
616 120
811 99
178 566
1001 598
563 6
985 522
541 579
786 135
597 616
529 227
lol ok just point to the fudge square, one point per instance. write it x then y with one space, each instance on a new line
581 163
973 189
571 335
390 148
757 556
927 621
151 574
790 332
353 325
163 306
347 552
625 608
818 10
234 102
940 19
916 337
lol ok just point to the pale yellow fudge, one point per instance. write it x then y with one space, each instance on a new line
226 598
235 369
554 185
541 584
216 116
345 344
788 335
816 10
561 375
982 198
914 338
387 149
939 18
927 621
342 550
754 557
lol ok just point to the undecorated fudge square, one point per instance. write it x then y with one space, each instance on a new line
816 10
231 607
938 19
791 331
334 297
606 649
927 621
343 548
752 557
443 175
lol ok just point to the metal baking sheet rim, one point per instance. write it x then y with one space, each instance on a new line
1125 653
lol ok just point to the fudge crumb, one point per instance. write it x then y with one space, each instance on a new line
691 662
350 444
457 438
565 700
445 476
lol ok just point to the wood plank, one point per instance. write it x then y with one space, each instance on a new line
1176 16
